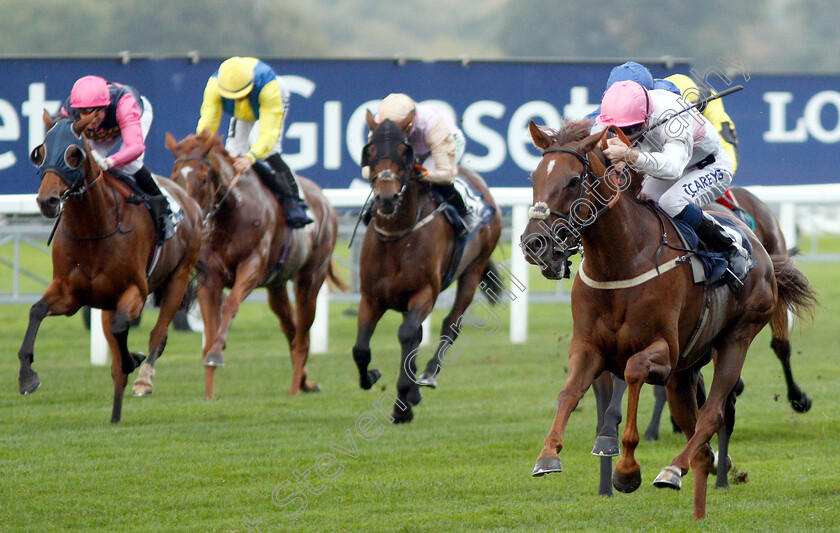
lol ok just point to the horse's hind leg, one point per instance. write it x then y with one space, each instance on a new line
724 433
609 391
659 400
451 327
369 315
278 301
799 401
307 286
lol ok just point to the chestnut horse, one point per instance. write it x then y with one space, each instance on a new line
247 245
636 312
406 252
769 233
102 250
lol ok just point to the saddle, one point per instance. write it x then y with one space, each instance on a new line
479 213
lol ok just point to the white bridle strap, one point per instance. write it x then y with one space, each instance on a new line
632 282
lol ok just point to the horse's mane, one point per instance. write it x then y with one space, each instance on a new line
218 146
570 131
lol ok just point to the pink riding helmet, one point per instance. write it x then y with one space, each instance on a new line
90 91
626 103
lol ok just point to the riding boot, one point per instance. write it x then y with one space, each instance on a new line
453 197
293 204
158 204
711 232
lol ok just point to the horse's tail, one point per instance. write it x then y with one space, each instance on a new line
489 279
796 294
334 280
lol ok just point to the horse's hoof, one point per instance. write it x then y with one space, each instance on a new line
311 387
651 435
802 405
214 359
715 463
135 360
627 483
669 478
547 465
415 396
367 381
605 446
427 379
403 417
29 384
141 390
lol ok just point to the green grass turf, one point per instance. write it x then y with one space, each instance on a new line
180 463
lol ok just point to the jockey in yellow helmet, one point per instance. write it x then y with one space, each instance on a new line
249 91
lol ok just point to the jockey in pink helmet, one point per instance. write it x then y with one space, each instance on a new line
123 117
684 163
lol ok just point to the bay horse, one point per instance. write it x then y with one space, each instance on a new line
406 252
103 247
635 318
248 245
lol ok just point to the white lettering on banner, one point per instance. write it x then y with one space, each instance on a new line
813 120
305 132
332 135
484 135
519 139
356 132
34 109
777 133
9 131
578 106
809 124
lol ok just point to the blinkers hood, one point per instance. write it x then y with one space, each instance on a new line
57 143
387 138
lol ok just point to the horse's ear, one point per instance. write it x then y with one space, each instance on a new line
48 120
589 143
171 143
371 121
80 125
542 140
405 123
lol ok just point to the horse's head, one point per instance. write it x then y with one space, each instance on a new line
570 192
194 169
63 162
391 160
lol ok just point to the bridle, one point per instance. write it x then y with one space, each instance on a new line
541 210
210 186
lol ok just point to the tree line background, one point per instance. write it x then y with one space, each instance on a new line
787 36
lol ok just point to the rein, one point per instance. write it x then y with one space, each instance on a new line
391 236
208 184
78 194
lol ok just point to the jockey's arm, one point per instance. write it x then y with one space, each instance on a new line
667 164
442 143
271 120
211 108
128 117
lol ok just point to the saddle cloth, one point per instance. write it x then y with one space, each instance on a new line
705 264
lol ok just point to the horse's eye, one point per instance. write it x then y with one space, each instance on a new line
573 182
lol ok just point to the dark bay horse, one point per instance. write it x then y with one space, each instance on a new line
636 314
247 245
103 247
406 252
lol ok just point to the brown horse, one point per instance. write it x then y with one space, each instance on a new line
247 245
102 250
406 252
635 308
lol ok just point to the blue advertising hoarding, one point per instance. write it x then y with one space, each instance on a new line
788 126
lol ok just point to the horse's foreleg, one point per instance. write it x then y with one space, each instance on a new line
119 377
369 315
55 301
307 287
584 366
451 327
655 359
247 278
410 334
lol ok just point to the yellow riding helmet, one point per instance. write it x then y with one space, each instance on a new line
236 77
